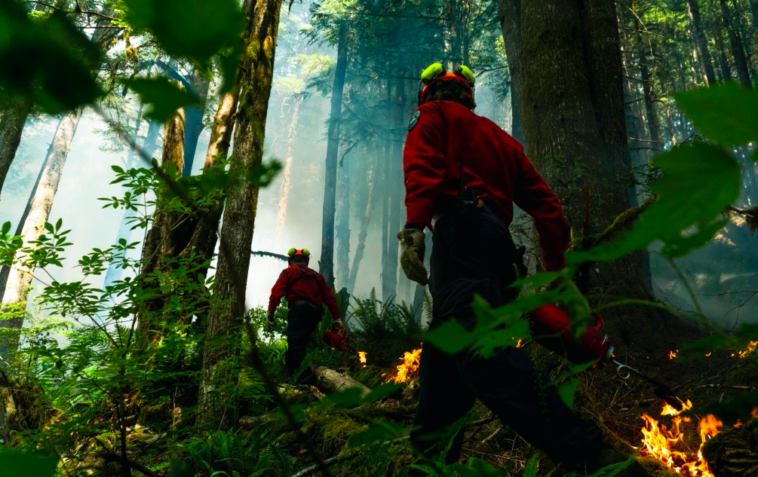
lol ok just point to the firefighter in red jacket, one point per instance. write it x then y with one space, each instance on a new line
463 174
307 293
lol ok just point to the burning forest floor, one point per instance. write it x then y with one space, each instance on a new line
627 409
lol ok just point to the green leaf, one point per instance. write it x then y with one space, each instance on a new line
380 432
49 63
195 29
726 112
567 392
163 97
699 181
25 464
450 337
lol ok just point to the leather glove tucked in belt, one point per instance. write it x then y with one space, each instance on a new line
412 255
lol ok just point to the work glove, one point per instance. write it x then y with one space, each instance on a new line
412 255
270 321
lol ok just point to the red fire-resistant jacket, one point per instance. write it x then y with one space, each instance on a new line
494 164
302 283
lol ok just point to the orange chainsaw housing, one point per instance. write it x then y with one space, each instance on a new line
338 341
550 327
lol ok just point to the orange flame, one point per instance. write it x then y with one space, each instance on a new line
408 370
362 358
672 354
750 348
659 442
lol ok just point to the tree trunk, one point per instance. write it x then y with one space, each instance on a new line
162 241
20 275
281 216
396 221
330 381
701 44
388 289
735 42
342 227
193 125
326 263
12 120
363 233
754 12
651 108
510 23
726 73
224 321
574 120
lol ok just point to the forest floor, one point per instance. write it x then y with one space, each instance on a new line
617 404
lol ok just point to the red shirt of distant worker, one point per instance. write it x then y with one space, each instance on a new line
307 293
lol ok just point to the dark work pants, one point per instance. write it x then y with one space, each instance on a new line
302 320
480 261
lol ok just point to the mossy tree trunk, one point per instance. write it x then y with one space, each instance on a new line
165 237
224 321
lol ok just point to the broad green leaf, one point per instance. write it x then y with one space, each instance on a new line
15 463
699 181
476 467
450 337
195 29
163 97
380 432
726 112
567 392
49 63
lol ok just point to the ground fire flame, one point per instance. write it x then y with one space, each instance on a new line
362 357
659 441
408 370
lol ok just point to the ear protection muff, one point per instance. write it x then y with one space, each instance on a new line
436 72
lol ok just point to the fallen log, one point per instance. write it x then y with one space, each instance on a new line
330 381
734 451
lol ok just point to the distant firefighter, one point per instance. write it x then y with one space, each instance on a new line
307 293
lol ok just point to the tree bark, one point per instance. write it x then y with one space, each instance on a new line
330 381
509 13
735 42
12 122
574 123
164 238
701 44
342 225
20 275
224 321
326 263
